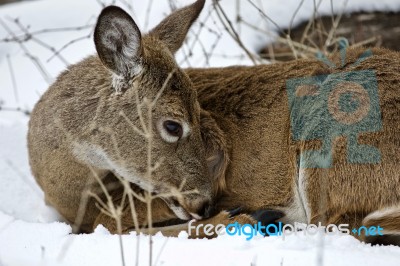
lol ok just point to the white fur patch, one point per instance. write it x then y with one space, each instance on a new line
383 213
195 216
302 185
98 158
299 210
180 212
121 83
91 155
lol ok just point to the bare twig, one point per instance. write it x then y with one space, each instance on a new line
15 109
146 22
226 22
57 52
14 82
29 36
34 59
335 25
294 16
26 36
263 14
311 22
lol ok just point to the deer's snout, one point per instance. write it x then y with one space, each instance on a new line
200 208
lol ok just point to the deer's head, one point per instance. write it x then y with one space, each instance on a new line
161 148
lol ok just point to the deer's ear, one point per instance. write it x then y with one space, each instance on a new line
173 29
118 42
216 149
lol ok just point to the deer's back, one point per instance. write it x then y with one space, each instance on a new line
254 107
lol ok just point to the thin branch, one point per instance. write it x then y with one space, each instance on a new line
231 30
34 59
294 16
335 25
29 36
65 46
15 109
262 13
26 36
146 21
14 82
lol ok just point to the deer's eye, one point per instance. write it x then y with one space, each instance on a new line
173 128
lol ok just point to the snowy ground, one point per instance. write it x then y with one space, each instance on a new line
31 233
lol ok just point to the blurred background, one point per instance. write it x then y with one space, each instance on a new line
40 38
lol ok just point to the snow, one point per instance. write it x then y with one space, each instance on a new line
26 243
32 233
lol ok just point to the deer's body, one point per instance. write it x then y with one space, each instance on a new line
238 135
250 104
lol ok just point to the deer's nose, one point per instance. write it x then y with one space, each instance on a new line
201 209
206 210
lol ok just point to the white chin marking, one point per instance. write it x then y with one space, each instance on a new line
180 212
195 216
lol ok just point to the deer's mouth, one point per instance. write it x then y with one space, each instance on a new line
178 210
174 205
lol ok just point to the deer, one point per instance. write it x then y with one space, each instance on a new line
300 141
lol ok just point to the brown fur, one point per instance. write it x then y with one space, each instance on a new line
77 130
251 107
241 133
